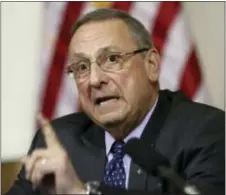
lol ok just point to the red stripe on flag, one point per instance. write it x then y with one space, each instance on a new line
191 77
166 14
56 70
123 5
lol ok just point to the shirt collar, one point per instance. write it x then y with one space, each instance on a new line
136 133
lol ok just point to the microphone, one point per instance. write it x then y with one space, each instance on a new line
156 164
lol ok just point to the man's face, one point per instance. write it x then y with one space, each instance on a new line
111 97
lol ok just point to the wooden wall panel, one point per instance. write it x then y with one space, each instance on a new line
8 174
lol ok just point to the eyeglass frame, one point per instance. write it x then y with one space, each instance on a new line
69 71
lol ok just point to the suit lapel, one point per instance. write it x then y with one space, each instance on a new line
158 118
138 178
95 147
91 154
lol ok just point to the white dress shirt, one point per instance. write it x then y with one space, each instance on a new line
136 133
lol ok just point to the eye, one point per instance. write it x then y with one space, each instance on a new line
82 66
114 58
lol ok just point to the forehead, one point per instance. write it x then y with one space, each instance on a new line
93 36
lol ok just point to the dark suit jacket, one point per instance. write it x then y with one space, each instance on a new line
189 134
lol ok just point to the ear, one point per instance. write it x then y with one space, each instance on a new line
152 65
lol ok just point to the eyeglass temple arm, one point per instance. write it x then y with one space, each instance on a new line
141 50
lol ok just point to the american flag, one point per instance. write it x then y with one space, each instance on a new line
167 24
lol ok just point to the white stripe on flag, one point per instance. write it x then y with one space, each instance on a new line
202 95
175 54
53 19
68 98
145 12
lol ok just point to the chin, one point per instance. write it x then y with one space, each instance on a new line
110 119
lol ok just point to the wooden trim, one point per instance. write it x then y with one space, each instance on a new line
9 172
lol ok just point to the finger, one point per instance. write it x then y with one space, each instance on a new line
37 174
36 178
40 170
31 160
48 131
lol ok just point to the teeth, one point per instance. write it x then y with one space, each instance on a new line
105 102
104 99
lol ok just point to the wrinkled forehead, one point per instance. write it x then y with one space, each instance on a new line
93 36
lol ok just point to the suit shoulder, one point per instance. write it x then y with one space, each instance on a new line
198 123
77 118
189 120
192 125
183 106
77 121
198 111
65 126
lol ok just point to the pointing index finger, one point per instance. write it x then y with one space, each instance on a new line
48 131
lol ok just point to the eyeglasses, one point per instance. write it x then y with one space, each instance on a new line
110 61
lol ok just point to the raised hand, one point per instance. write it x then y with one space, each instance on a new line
52 160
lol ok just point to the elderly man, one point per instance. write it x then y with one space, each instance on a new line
116 69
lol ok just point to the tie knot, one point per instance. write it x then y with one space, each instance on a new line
117 148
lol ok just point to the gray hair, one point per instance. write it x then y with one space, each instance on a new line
138 31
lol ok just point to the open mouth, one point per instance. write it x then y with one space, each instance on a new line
101 100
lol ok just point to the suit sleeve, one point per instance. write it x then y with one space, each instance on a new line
205 158
22 186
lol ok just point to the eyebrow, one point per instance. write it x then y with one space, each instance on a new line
101 50
80 55
108 48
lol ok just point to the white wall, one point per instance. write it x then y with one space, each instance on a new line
207 20
20 46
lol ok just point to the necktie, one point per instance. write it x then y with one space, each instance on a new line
115 172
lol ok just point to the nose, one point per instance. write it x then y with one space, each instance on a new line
97 76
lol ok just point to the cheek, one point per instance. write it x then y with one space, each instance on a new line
129 85
134 84
83 94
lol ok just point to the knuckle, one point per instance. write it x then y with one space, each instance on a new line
37 152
